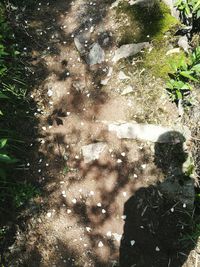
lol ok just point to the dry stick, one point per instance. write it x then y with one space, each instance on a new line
169 262
197 260
58 146
195 138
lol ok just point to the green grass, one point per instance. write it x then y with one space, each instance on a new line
14 190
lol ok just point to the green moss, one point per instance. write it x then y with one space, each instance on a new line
153 24
144 23
158 62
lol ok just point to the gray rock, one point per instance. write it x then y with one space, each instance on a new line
183 43
79 45
143 3
96 55
173 51
123 76
115 4
129 50
93 151
127 90
105 81
146 132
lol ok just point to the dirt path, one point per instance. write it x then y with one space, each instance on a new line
79 220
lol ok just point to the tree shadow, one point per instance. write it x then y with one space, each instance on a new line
159 217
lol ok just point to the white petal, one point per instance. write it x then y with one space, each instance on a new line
132 242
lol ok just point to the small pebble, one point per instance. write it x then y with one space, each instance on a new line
143 166
49 214
124 194
157 249
74 200
100 244
109 233
123 217
103 211
132 242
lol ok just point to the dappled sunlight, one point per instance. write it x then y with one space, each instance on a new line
87 214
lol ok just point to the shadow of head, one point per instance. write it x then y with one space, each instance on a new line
169 152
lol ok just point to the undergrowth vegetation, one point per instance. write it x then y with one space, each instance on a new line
185 75
14 189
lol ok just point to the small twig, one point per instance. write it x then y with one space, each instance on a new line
197 260
195 138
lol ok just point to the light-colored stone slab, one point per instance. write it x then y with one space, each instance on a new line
79 45
123 76
96 55
129 50
146 132
127 90
93 151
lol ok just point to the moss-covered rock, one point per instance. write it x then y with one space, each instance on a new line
154 24
144 23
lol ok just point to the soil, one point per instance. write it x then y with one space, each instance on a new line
107 212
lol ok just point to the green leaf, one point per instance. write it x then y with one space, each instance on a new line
197 6
6 159
3 96
3 142
196 68
178 94
187 74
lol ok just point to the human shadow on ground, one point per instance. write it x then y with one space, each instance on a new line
158 218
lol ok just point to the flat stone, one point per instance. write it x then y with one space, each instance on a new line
143 3
183 43
146 132
127 90
105 81
123 76
173 51
79 45
93 151
96 55
129 50
115 4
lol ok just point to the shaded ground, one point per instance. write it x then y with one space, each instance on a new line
79 219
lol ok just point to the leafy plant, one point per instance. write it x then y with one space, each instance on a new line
190 8
184 76
22 192
190 11
14 192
